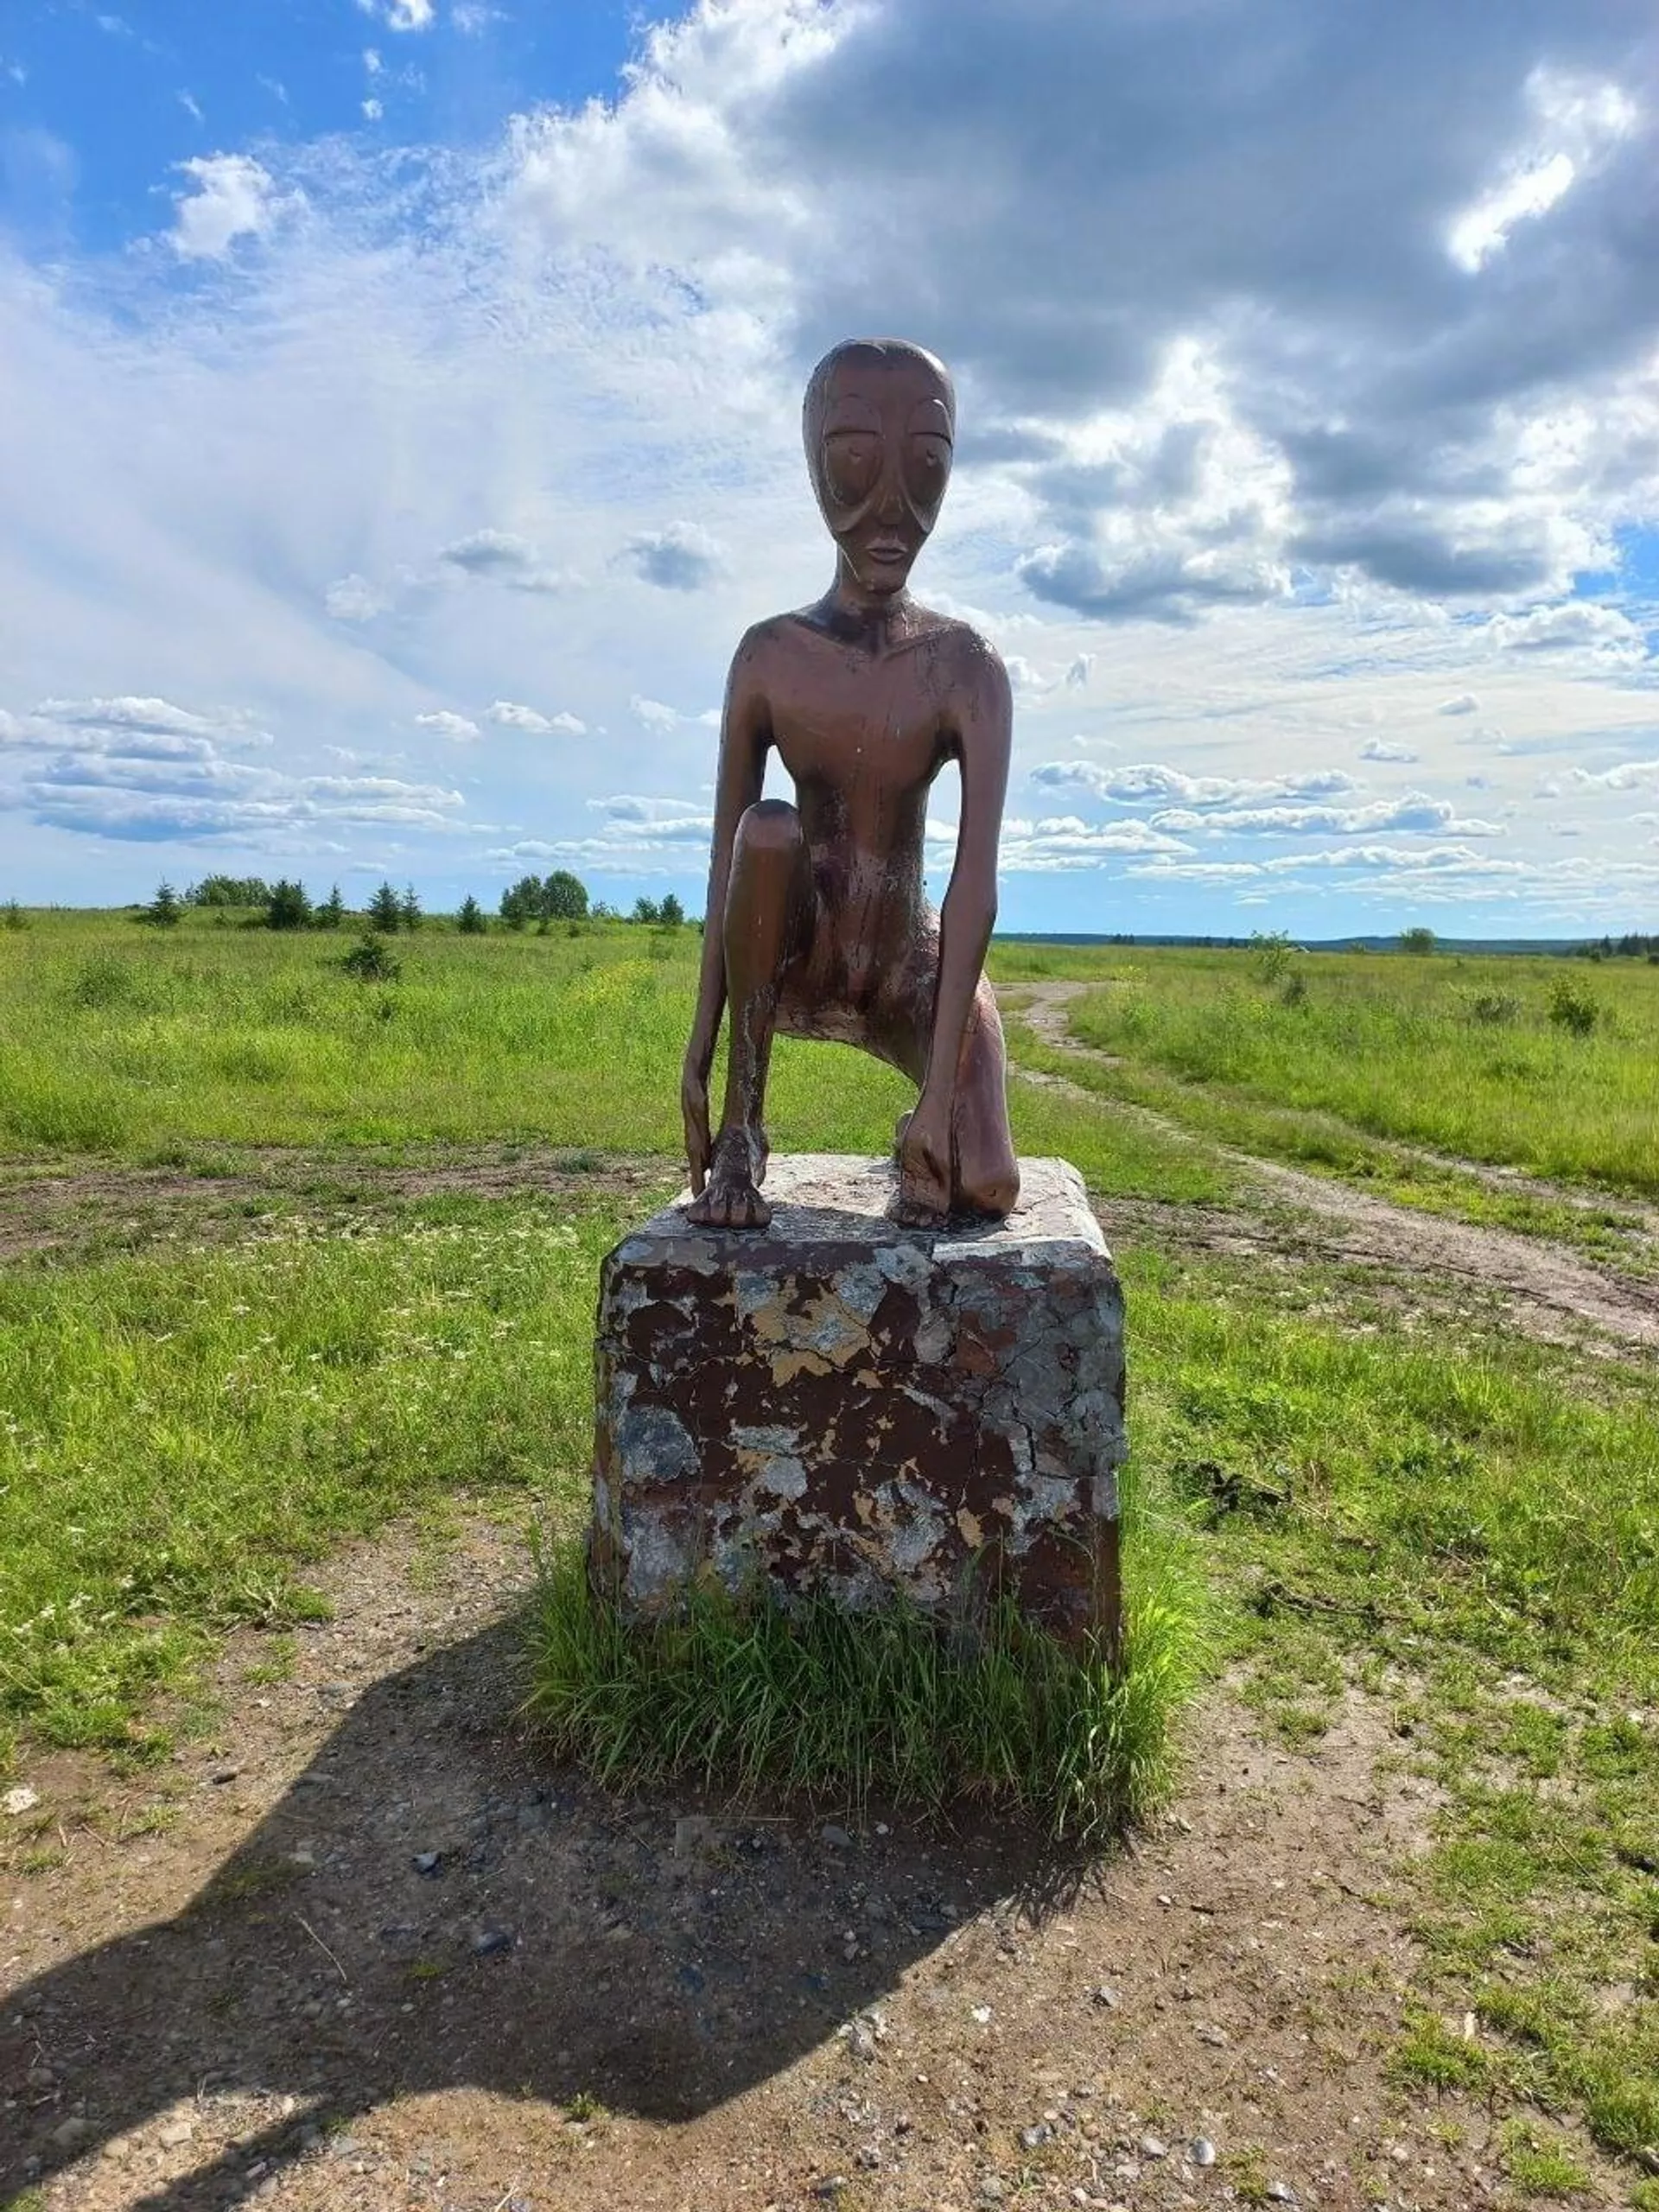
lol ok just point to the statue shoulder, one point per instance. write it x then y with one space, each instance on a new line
977 669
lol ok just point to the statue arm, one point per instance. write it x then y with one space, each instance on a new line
745 736
984 738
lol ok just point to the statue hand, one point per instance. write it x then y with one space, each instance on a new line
924 1165
694 1107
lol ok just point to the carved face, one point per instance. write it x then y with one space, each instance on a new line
881 420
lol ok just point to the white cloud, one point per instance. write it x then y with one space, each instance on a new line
1577 123
1383 748
353 599
1078 675
373 110
235 197
402 15
1416 811
460 729
1575 625
654 716
1154 779
1624 776
191 105
1465 702
505 714
501 556
681 557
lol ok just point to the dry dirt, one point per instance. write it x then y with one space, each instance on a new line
1549 1291
386 1954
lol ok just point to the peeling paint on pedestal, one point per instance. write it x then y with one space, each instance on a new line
839 1403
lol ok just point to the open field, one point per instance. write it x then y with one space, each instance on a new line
1548 1066
294 1344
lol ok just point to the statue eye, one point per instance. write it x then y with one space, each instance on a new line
852 460
927 465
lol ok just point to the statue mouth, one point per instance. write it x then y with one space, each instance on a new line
888 550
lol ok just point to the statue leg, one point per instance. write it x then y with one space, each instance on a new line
985 1172
766 924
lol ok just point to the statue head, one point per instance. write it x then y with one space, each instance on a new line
880 423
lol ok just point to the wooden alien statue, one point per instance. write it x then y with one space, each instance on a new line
817 921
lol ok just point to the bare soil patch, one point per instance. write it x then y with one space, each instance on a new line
385 1954
47 1207
1550 1292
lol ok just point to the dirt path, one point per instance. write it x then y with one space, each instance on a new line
386 1957
47 1207
1547 1286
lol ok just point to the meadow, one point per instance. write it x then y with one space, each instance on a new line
1547 1065
1333 1491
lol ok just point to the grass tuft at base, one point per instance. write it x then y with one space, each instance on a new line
739 1695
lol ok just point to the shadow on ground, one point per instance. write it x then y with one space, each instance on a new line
429 1907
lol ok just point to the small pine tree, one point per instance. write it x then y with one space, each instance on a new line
470 920
409 908
288 908
332 913
164 910
670 913
646 910
371 960
386 911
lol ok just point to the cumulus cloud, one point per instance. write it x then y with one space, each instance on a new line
1416 811
681 557
499 556
1465 702
1143 780
1624 776
402 15
1383 748
652 715
353 599
1575 625
235 197
506 713
460 729
144 771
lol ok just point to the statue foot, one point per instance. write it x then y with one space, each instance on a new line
731 1198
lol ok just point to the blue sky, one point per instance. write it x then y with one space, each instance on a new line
399 405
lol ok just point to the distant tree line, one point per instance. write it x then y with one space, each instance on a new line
1633 945
287 905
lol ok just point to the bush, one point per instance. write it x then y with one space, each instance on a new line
1572 1009
371 960
1418 940
470 920
1271 951
1295 990
12 916
1494 1009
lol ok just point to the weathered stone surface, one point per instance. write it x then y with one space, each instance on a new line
839 1403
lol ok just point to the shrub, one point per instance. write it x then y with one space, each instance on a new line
12 916
1295 990
1417 940
670 913
1572 1009
470 920
1271 949
1493 1008
371 960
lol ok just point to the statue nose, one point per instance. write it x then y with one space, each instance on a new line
890 505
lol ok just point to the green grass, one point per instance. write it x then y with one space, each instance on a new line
1460 1056
184 1429
1471 1530
743 1696
147 1045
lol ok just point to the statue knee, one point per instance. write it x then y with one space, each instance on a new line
770 828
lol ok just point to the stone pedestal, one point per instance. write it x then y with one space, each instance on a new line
838 1403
